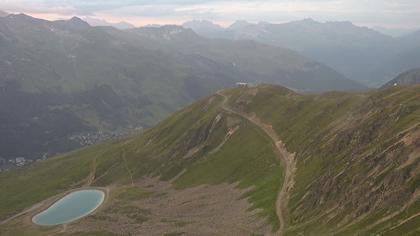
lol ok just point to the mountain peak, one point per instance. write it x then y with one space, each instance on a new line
203 27
239 24
74 23
101 22
166 32
78 21
20 16
23 19
306 21
201 23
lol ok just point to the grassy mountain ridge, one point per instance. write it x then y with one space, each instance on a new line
357 163
357 158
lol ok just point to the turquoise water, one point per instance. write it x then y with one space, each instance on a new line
71 207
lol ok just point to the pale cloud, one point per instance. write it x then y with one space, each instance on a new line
395 13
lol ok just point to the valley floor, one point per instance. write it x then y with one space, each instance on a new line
153 207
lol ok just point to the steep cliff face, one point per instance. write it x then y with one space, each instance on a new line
247 161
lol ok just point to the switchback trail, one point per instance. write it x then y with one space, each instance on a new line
285 157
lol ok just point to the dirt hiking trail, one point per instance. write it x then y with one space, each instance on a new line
288 160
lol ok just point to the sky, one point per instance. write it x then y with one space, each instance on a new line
391 14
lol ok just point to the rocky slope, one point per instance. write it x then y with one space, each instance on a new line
353 169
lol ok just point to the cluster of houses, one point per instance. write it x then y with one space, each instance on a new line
85 139
7 164
243 84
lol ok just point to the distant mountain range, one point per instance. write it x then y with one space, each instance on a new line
395 32
61 79
359 53
100 22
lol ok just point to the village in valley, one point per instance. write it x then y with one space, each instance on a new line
82 139
11 163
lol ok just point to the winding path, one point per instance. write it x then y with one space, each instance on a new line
285 157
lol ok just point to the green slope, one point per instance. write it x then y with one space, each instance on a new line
357 160
245 158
